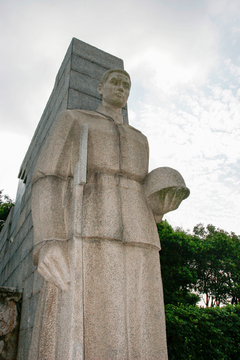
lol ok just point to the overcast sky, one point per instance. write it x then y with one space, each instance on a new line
184 60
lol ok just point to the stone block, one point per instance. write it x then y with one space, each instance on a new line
3 276
16 241
26 196
25 266
86 67
9 253
27 244
28 207
33 303
57 93
59 105
24 344
3 237
31 266
24 315
18 282
14 261
84 84
8 273
23 233
37 283
95 55
4 260
28 287
21 219
15 226
66 61
13 266
9 281
14 244
78 100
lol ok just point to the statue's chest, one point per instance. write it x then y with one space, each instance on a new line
117 148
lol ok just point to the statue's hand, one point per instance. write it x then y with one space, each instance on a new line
53 265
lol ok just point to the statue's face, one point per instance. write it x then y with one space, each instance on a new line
115 90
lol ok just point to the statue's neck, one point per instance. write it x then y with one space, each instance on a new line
112 108
115 115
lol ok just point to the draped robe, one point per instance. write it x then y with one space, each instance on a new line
123 310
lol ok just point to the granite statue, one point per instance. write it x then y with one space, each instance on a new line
95 208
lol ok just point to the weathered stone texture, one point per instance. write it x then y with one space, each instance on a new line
9 322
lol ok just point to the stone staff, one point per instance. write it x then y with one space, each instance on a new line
75 249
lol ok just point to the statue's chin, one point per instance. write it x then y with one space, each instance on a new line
117 103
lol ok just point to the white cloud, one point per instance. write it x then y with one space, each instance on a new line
201 142
234 70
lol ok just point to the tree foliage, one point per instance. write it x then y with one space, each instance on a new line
206 262
203 333
217 265
5 206
179 275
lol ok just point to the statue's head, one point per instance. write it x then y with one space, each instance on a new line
114 88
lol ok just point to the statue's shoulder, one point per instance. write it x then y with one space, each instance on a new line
78 115
134 129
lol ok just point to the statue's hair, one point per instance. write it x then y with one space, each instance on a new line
108 72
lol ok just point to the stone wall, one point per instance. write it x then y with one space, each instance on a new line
75 87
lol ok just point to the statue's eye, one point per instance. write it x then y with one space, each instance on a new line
114 82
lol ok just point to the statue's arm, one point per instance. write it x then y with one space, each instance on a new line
51 184
50 229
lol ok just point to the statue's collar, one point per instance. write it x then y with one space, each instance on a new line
118 118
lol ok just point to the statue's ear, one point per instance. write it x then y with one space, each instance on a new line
99 89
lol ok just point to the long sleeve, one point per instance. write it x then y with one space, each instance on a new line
52 182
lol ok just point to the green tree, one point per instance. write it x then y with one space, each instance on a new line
217 265
206 263
179 274
203 333
5 206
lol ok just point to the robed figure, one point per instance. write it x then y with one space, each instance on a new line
95 240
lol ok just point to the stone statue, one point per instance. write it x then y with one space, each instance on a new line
96 244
